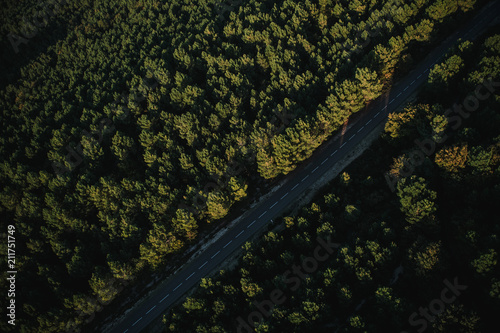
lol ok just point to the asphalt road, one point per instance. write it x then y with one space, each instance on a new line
298 181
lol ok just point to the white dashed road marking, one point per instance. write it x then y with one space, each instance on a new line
369 121
398 95
333 153
151 309
324 161
343 145
180 284
295 187
274 204
391 102
203 265
227 244
352 137
212 257
284 195
316 168
405 89
136 321
305 178
361 129
418 77
262 214
238 235
376 115
164 298
412 82
189 276
251 224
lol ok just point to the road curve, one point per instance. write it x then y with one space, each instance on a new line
323 160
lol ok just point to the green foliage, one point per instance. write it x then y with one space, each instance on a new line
485 263
417 201
442 8
119 117
159 243
443 73
385 269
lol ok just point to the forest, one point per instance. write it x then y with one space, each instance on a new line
389 254
130 126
